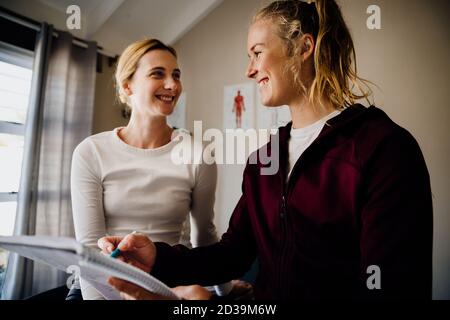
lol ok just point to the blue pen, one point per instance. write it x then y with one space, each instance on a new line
117 252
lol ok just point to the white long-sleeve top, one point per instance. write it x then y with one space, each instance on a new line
117 188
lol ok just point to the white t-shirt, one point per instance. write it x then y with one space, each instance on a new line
117 188
302 138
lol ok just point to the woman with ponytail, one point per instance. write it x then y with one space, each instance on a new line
349 213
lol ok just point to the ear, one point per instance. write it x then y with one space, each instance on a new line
127 89
307 46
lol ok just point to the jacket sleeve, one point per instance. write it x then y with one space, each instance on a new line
220 262
396 221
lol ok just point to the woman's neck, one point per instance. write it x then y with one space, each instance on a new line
304 113
146 133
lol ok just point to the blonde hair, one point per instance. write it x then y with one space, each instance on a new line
334 56
128 63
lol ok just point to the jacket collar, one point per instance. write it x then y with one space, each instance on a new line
350 115
347 116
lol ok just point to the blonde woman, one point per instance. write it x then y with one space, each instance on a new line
348 215
124 180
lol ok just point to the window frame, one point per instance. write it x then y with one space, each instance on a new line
23 58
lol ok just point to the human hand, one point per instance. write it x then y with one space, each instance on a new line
135 249
241 290
130 291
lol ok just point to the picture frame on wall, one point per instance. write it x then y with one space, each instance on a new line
238 106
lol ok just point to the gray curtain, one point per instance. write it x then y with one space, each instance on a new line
65 100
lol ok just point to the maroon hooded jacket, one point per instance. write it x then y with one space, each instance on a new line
359 196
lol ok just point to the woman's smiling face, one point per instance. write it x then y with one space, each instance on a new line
267 65
155 86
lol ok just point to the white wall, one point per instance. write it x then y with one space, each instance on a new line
107 108
407 59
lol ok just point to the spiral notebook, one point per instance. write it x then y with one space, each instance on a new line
68 255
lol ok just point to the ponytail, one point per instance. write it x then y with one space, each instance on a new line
335 59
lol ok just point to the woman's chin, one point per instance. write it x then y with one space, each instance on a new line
166 108
167 111
268 103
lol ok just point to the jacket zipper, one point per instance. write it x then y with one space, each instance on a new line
284 230
283 278
286 235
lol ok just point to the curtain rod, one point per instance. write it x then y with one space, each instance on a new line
32 24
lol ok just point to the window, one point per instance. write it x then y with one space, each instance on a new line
15 83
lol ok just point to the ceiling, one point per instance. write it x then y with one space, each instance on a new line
94 13
116 23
